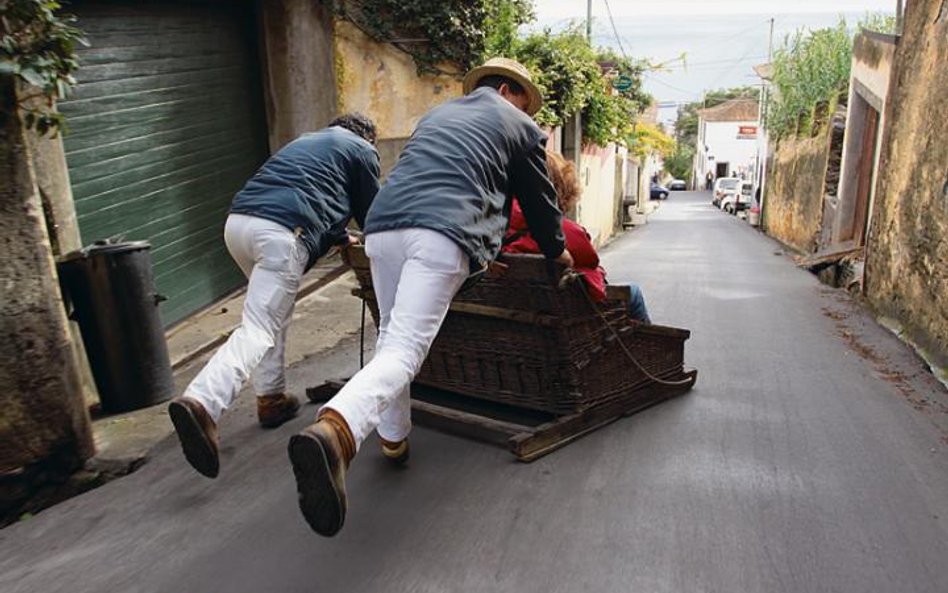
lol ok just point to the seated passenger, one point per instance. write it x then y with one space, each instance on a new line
578 242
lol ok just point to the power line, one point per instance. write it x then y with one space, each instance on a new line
615 31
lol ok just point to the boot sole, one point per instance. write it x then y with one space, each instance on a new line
319 497
194 443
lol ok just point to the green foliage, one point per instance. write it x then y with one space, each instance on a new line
880 23
811 72
809 69
564 66
648 139
463 33
438 32
37 45
679 163
574 77
502 25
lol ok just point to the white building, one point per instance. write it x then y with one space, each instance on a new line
727 141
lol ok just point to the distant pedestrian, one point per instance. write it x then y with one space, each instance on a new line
288 215
440 216
709 181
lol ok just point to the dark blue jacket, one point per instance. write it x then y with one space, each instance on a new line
313 186
458 172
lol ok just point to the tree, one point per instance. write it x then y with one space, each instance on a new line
44 427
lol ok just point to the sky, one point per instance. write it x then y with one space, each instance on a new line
721 39
565 9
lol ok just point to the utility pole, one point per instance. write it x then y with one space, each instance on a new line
589 21
577 118
898 17
763 141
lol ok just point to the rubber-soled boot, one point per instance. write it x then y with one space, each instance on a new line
274 410
320 456
197 432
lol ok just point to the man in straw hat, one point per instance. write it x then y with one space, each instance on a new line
440 216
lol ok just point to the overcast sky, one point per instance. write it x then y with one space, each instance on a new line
721 39
564 9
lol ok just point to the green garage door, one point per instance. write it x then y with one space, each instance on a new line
166 124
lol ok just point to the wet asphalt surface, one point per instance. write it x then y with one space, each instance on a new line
811 456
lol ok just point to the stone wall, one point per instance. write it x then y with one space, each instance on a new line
907 251
299 85
793 205
382 81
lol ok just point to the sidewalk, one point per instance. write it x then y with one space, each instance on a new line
325 314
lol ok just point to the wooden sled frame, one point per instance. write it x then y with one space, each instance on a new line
527 433
529 436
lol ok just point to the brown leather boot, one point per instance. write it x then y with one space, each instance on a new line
320 455
197 433
274 410
397 452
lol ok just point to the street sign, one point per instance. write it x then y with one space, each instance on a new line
623 82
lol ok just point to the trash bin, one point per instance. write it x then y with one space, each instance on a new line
109 289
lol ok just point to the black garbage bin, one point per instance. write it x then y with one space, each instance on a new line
109 289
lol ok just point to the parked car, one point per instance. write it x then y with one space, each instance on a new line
677 185
658 192
724 186
733 203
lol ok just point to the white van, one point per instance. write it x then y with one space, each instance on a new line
724 186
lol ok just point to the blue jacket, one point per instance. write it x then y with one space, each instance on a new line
457 174
313 186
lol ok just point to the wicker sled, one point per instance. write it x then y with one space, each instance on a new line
528 360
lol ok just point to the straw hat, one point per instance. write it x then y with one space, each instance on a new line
511 69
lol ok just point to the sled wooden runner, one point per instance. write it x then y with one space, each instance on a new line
528 435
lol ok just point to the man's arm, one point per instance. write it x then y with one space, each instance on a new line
530 182
364 185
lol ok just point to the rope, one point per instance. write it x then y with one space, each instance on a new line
615 334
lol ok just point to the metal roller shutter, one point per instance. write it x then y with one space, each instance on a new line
166 124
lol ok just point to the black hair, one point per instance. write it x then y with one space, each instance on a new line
358 124
494 81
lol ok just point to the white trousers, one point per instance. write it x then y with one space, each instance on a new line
415 274
273 259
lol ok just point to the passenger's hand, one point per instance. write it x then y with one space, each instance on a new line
565 258
496 269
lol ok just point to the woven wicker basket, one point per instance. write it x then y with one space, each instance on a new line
530 340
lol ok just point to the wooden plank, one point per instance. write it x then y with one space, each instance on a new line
826 258
456 422
507 314
545 439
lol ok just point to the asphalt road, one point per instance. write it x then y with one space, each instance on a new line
811 456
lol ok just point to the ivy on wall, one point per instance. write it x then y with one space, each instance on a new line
443 36
37 47
451 36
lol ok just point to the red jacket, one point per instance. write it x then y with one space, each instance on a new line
585 258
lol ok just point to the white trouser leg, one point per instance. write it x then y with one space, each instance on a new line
395 420
415 274
269 377
276 260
